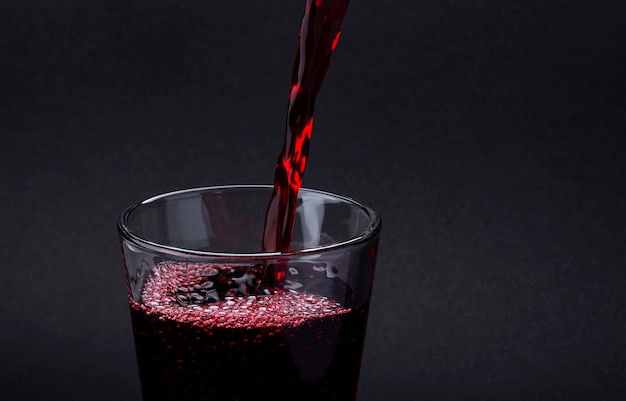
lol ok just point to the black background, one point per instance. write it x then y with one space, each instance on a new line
489 134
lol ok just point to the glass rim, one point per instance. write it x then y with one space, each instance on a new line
371 231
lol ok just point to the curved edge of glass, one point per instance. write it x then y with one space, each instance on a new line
372 230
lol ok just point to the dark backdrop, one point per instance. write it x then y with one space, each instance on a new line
489 134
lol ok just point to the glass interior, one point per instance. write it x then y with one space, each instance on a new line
230 220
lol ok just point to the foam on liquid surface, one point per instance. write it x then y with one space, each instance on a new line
179 292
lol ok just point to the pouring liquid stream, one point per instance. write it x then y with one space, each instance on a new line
319 34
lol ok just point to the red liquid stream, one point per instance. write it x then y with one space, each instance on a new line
318 37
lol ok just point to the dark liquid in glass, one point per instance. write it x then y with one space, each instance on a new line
284 346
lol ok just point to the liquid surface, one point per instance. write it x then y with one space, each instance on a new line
186 293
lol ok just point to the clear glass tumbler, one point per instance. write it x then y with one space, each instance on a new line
216 318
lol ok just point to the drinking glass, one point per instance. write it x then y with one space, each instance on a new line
216 318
